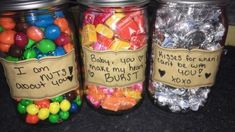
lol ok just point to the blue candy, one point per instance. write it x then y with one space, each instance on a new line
59 51
44 20
31 18
52 32
74 107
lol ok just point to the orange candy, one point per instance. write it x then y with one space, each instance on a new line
62 23
7 37
118 103
4 47
95 93
35 33
68 47
7 23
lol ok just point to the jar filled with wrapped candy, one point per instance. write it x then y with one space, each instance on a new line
114 41
188 40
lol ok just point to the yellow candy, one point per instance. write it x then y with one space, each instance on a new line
119 45
43 113
32 109
54 107
112 21
65 105
133 94
104 30
89 34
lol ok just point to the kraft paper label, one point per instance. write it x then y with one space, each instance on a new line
39 79
185 68
114 69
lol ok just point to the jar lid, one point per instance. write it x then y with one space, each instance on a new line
219 2
113 3
13 5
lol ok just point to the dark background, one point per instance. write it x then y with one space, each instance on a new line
217 116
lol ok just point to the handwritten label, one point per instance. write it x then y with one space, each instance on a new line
39 79
115 69
185 68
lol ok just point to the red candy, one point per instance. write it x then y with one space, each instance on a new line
32 119
89 18
102 17
104 40
21 39
126 28
63 39
138 41
43 103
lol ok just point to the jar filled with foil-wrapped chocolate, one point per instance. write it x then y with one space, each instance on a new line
39 57
188 39
114 43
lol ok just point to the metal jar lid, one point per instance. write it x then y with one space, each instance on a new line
13 5
208 2
112 3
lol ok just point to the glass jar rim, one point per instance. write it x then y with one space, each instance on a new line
14 5
113 3
207 2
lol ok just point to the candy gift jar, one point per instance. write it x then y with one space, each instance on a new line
37 47
188 40
114 41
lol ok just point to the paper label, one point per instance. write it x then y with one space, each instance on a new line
114 69
39 79
185 68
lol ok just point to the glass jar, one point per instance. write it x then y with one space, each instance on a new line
188 39
114 41
39 57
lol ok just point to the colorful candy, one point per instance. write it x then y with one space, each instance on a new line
39 34
114 29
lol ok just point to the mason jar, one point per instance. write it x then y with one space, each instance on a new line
188 39
114 43
39 57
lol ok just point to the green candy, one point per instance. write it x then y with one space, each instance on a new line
46 46
21 108
30 44
78 101
11 58
30 53
64 115
1 29
26 102
57 99
54 118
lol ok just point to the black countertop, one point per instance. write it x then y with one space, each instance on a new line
217 116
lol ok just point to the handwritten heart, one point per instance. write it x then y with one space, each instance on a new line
207 75
161 72
91 73
70 78
140 58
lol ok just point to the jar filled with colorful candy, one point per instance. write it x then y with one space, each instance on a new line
188 40
114 41
39 57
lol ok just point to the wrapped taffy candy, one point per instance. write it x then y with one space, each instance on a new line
114 42
39 58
